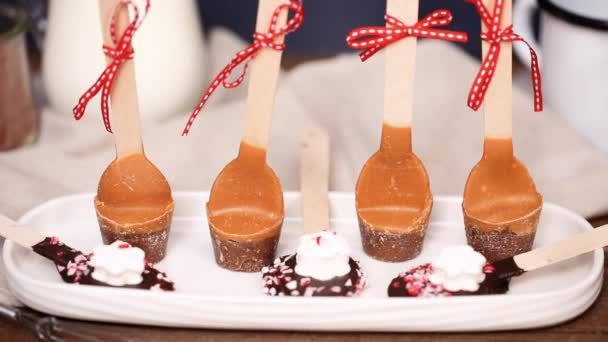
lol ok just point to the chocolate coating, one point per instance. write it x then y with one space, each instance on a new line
415 282
243 256
500 244
74 267
154 244
281 279
392 247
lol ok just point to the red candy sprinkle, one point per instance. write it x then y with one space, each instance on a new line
413 290
124 245
318 240
488 268
54 240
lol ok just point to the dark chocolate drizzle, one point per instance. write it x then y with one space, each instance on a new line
415 282
281 279
507 268
74 267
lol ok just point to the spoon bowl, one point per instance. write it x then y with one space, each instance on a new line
393 199
501 204
245 212
134 204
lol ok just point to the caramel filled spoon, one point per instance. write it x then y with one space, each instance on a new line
134 202
393 195
245 208
501 204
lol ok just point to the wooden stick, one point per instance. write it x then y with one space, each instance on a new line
498 103
400 67
566 249
264 73
314 175
21 235
123 98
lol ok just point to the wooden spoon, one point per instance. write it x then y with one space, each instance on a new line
66 257
321 265
393 195
501 205
245 208
134 202
498 274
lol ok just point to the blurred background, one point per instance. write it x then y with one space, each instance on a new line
50 53
48 30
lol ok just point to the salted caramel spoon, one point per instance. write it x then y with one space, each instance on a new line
245 208
134 202
393 195
501 204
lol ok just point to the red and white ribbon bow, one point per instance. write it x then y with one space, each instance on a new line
374 38
494 35
119 53
260 40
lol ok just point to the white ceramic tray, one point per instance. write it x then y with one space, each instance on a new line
210 297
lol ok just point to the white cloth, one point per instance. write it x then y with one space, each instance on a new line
344 96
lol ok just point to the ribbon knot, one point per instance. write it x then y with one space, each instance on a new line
495 36
113 53
260 40
119 53
372 39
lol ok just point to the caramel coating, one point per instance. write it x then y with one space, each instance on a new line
246 202
500 192
393 192
134 196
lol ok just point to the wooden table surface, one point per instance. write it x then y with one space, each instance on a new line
590 326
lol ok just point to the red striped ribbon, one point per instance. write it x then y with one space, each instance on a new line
374 38
494 35
119 53
260 40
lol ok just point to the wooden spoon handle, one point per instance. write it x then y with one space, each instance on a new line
566 249
21 235
123 98
263 76
314 175
498 103
400 67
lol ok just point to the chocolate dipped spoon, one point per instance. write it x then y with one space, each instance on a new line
116 265
501 204
245 208
458 271
322 265
133 202
393 194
